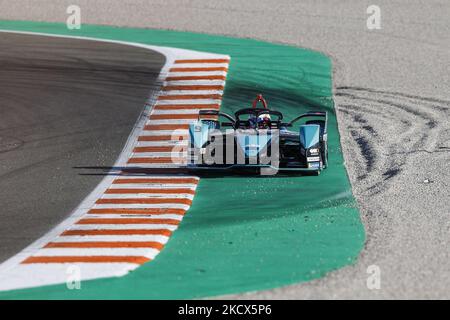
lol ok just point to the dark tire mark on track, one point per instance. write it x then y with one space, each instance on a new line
415 124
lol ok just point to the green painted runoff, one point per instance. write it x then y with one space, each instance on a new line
242 233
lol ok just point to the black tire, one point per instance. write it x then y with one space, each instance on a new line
325 157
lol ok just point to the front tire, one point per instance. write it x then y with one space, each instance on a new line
325 157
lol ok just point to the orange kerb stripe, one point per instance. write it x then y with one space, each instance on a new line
163 138
87 259
106 244
128 221
120 232
173 116
185 106
144 201
162 160
181 78
193 87
166 126
137 211
202 61
198 69
156 180
155 149
190 96
165 191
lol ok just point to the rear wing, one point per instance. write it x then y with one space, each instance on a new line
213 115
258 111
311 114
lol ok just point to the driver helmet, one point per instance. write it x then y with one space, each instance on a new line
264 121
253 122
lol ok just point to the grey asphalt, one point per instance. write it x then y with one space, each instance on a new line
392 99
64 104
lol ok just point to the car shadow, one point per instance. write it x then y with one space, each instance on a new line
204 174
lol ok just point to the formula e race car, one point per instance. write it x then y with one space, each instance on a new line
257 137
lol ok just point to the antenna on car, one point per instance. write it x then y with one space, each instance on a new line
259 98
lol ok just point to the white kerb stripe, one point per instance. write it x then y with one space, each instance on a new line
79 252
114 238
152 226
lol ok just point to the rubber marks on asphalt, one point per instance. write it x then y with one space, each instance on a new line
132 219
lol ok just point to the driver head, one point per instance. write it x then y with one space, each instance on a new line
264 121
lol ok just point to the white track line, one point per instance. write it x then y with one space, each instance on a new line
153 185
194 82
155 226
180 111
130 238
142 206
170 121
175 134
196 73
189 101
148 196
57 252
132 215
202 65
168 143
183 92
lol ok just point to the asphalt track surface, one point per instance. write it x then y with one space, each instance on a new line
67 108
392 100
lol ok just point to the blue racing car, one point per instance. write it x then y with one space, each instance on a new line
257 137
